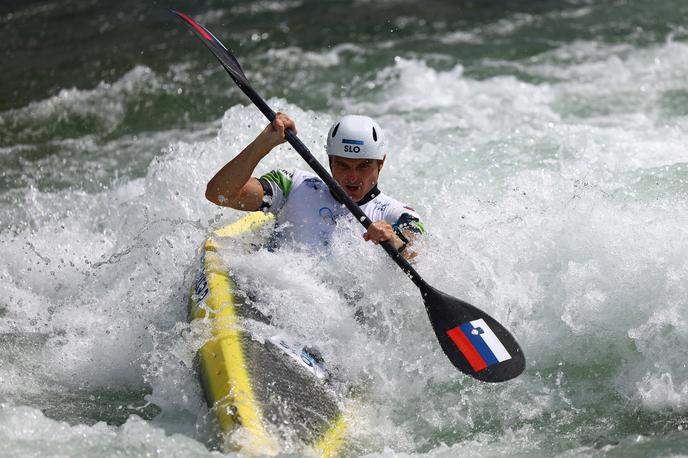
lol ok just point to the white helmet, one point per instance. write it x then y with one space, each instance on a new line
356 137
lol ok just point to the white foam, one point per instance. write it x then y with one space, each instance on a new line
293 55
658 392
27 432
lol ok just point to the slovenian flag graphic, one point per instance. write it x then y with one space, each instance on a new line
479 344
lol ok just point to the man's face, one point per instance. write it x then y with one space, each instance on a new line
356 176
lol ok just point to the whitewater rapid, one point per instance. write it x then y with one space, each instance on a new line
555 198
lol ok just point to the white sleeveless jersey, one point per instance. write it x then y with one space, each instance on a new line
307 212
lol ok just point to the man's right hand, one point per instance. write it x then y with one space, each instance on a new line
273 134
233 186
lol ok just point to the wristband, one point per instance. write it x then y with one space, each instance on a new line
402 237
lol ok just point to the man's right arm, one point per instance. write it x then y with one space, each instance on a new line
233 186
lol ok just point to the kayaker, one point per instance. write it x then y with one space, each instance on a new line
305 210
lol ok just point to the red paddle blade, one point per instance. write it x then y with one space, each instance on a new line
216 47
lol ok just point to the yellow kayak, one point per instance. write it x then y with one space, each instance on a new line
269 396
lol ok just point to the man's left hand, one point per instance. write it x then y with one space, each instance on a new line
378 232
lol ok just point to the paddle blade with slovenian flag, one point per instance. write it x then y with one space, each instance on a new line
472 340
